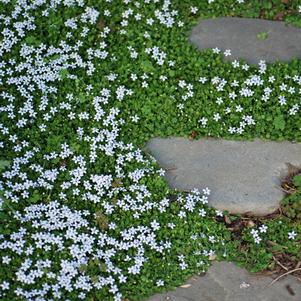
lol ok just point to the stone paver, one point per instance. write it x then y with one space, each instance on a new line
227 282
244 176
283 42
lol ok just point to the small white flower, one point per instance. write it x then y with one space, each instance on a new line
171 225
212 239
216 50
282 100
219 213
235 64
257 239
227 52
6 259
203 121
245 67
219 101
206 191
202 212
292 235
202 79
160 282
155 225
194 9
183 265
216 117
263 229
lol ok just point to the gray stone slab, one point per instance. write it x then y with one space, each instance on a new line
226 282
283 41
244 176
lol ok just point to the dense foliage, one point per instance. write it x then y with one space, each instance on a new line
85 213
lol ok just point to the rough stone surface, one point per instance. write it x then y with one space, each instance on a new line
283 41
244 176
226 282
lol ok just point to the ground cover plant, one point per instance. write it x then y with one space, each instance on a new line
85 213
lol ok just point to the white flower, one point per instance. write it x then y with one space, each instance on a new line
206 191
245 67
155 225
282 100
135 118
219 213
6 259
227 52
183 265
171 225
235 64
257 239
193 9
202 79
202 212
203 121
263 229
211 239
216 50
216 117
239 108
160 282
292 235
219 101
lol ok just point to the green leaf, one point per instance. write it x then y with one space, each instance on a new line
82 97
4 164
262 35
31 40
279 123
297 181
147 66
35 197
171 73
63 73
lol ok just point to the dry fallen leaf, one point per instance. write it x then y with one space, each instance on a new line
185 285
212 257
279 16
250 224
193 135
227 220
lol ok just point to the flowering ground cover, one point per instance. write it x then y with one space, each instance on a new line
85 214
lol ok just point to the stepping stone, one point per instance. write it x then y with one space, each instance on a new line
249 39
226 282
244 176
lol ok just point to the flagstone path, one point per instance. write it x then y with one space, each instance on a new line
249 39
227 282
243 176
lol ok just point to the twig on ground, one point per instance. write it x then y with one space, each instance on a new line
287 273
279 263
298 265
